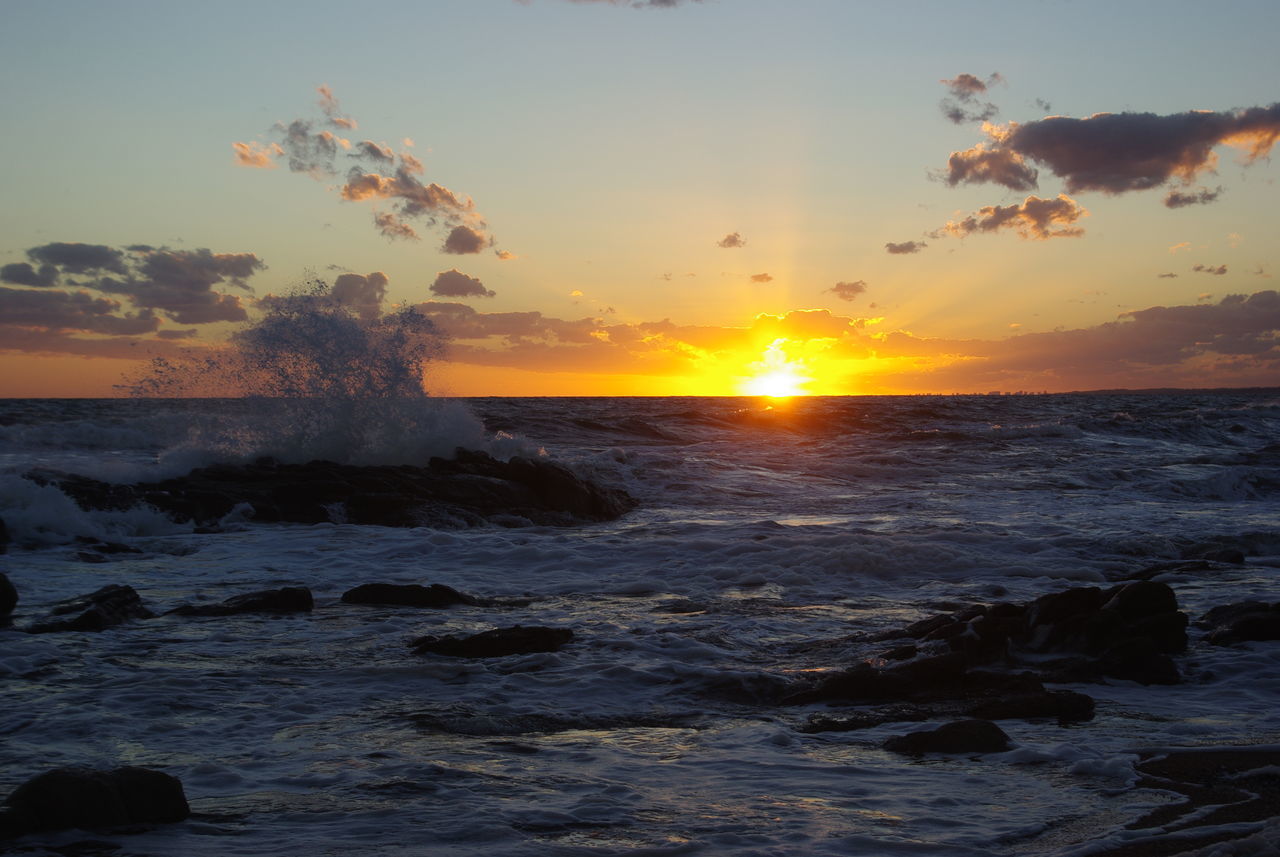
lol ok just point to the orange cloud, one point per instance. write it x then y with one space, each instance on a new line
258 155
1035 218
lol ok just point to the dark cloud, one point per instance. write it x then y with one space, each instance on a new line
1044 105
383 175
183 285
363 294
1115 152
74 258
1167 275
455 284
904 248
23 274
963 104
732 240
1035 218
985 165
1202 196
463 240
59 311
1217 271
848 291
762 278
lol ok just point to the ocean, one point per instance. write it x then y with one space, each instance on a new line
773 541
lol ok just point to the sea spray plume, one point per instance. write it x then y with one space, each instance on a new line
334 382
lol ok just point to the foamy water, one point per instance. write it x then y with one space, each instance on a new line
760 530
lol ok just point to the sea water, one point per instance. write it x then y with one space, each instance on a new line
763 528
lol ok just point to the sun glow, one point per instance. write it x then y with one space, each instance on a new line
776 376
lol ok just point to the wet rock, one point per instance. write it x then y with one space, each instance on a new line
1065 706
5 538
8 597
289 599
497 643
87 799
105 608
1246 621
962 736
466 490
407 595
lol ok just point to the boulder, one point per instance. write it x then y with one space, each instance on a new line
104 608
466 490
1245 621
8 597
88 798
290 599
961 736
497 643
407 595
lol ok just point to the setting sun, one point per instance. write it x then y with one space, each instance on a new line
776 376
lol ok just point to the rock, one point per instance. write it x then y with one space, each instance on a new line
407 595
962 736
105 608
499 642
1065 706
86 798
8 596
466 490
290 599
5 538
1238 623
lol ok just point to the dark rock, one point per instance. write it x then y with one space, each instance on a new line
1138 659
962 736
85 798
407 595
107 607
5 538
1065 706
289 599
463 491
900 653
1141 599
499 642
8 596
1238 623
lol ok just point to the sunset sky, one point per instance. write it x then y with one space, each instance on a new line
654 197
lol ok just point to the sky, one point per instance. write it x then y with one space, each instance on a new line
652 197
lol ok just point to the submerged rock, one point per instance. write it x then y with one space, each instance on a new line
407 595
104 608
962 736
497 643
8 597
87 798
1245 621
289 599
467 490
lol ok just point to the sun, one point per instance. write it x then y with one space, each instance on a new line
776 376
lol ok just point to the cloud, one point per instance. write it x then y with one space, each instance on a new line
983 164
463 240
1035 219
1044 105
59 311
1181 245
182 285
732 240
455 284
762 278
904 248
1167 275
380 175
329 105
1200 196
259 155
505 255
364 294
1115 152
1210 269
848 291
962 104
635 4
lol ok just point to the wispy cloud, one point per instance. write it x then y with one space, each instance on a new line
379 174
904 248
964 103
1035 219
848 291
